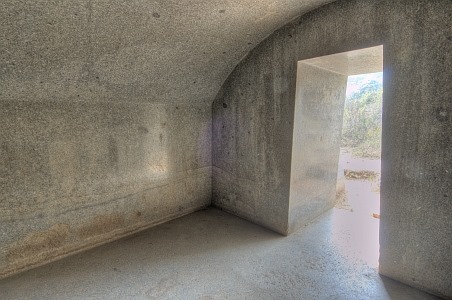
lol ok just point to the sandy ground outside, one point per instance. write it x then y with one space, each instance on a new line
361 197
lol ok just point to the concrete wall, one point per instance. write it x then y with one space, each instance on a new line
318 114
417 151
85 87
251 118
73 175
416 186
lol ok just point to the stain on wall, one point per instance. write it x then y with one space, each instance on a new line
38 246
101 225
90 166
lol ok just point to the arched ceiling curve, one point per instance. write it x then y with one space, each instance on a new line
162 51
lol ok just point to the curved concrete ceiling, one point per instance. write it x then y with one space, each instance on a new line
145 51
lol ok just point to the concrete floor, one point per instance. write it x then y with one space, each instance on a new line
214 255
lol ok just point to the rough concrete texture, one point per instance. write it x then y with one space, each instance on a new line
101 132
416 183
416 209
214 255
319 107
250 167
134 51
73 175
71 71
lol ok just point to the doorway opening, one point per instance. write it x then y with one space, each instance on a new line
359 168
317 173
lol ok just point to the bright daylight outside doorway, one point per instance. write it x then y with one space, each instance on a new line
324 127
358 185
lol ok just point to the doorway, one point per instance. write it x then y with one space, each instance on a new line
317 136
359 168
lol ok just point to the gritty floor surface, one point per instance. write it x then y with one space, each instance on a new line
214 255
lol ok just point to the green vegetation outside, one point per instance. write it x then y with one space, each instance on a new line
361 129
